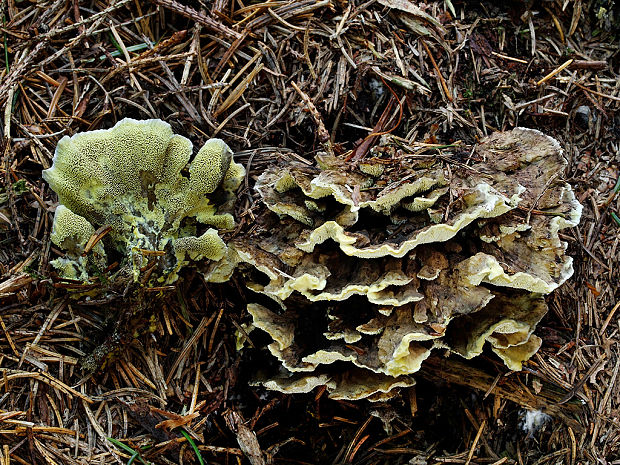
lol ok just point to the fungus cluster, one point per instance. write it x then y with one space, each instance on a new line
360 273
133 178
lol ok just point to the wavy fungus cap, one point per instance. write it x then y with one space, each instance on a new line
131 178
370 270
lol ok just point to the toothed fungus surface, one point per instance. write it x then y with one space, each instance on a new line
131 178
361 273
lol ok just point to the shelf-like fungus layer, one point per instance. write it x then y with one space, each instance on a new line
374 267
131 178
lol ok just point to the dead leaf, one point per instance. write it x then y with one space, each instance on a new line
168 425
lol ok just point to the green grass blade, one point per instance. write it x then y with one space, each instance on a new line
194 446
134 453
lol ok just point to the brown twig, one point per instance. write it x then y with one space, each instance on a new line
207 21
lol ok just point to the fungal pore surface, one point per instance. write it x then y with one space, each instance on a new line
360 273
136 181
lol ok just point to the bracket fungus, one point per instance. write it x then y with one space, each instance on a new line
361 272
132 179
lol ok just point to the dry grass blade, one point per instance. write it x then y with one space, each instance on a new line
238 91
